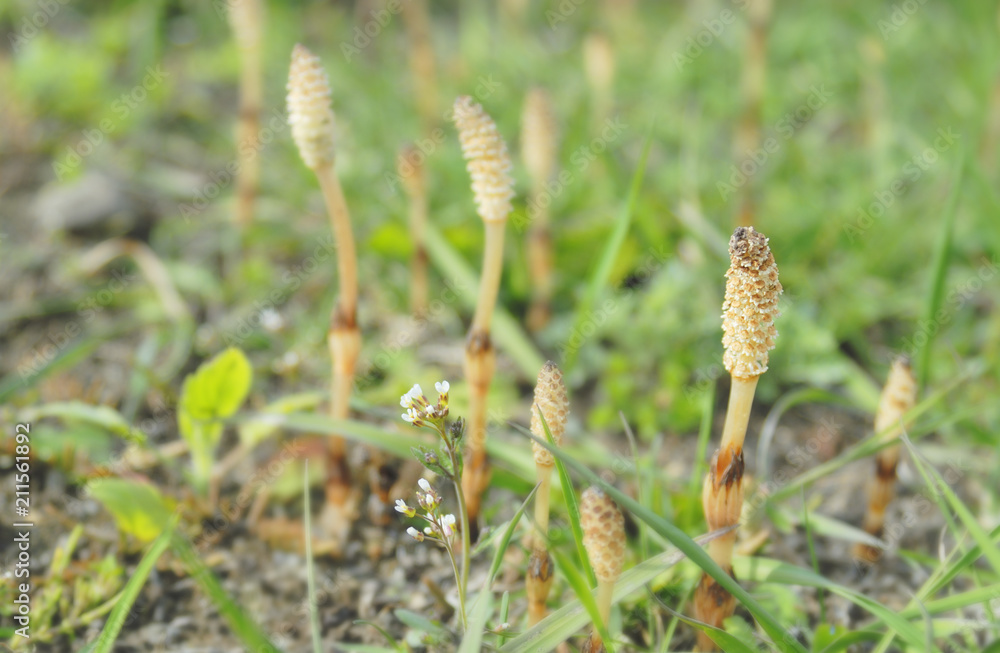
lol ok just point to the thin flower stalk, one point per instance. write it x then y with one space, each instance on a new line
489 166
448 462
749 310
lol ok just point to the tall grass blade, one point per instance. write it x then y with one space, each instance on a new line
243 625
105 642
602 271
939 272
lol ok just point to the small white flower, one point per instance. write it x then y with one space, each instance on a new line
429 499
415 534
424 485
442 387
408 417
428 531
405 509
448 524
414 393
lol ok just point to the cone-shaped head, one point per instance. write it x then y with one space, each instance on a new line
752 293
552 404
309 111
603 534
486 159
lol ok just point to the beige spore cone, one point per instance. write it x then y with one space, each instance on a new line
551 403
487 160
309 110
751 304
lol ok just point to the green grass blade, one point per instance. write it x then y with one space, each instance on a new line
243 625
725 641
584 594
766 570
870 445
602 271
105 643
770 426
678 538
569 619
704 436
481 610
397 443
504 612
505 540
938 274
847 640
989 551
423 624
572 506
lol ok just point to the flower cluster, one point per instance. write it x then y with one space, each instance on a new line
420 411
441 527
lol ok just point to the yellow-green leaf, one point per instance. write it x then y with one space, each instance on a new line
138 508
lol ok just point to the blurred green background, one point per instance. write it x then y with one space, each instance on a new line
856 196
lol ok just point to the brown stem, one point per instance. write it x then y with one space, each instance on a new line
540 267
480 361
722 500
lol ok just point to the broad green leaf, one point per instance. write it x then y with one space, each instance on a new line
138 508
217 388
826 634
213 392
